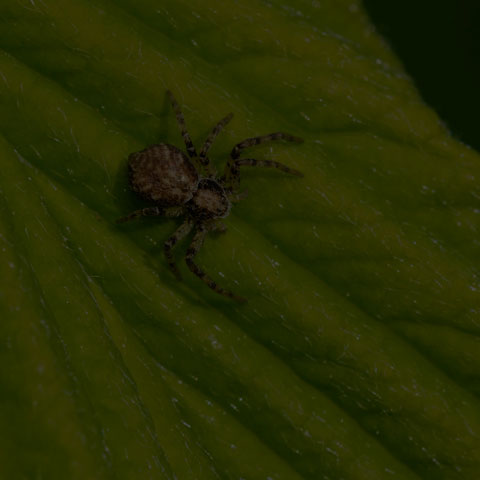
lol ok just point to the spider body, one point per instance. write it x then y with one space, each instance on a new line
177 184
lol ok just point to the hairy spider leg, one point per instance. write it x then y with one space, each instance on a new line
152 212
192 250
182 231
181 123
231 175
211 137
250 142
252 162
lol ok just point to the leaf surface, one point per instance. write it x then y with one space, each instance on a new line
356 355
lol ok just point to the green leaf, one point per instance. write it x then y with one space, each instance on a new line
356 355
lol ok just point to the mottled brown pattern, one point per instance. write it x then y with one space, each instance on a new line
181 186
162 174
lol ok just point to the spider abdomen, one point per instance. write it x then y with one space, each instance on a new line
209 201
163 174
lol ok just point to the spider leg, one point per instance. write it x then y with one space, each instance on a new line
252 162
231 175
195 246
182 231
152 212
181 123
250 142
210 139
232 180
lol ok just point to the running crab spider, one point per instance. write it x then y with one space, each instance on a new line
178 184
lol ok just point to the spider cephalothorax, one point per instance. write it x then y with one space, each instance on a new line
180 185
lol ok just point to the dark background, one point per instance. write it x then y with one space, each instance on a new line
439 44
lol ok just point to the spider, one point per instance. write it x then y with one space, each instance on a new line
187 185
